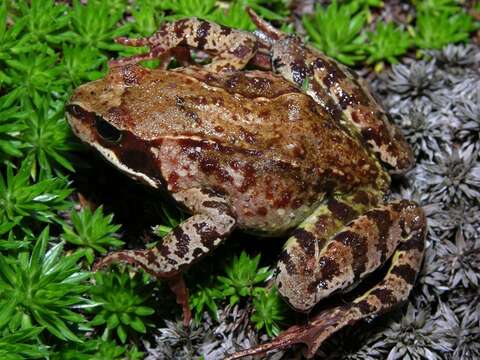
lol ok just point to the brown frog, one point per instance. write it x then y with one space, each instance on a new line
301 149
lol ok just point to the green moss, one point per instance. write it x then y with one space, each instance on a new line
47 48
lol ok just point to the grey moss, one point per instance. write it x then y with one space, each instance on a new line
436 104
452 176
209 339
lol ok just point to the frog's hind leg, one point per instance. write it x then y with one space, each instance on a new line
344 262
270 33
337 89
212 221
230 49
299 261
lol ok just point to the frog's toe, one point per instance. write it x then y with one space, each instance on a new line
265 26
144 259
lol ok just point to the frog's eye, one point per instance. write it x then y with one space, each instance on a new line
107 131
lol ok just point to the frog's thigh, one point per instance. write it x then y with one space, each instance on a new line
346 257
298 262
212 221
231 49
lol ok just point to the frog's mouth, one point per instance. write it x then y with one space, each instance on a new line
118 147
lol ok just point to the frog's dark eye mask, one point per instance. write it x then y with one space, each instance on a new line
105 130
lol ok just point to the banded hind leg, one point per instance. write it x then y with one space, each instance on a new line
337 89
299 260
211 223
350 255
230 49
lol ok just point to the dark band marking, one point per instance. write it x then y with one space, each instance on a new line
163 250
378 135
222 207
212 192
201 36
341 211
416 242
345 100
332 74
361 197
365 307
225 30
406 272
241 51
382 220
300 71
207 233
183 240
151 257
277 63
385 296
328 267
286 259
179 28
331 106
359 247
404 233
197 253
306 240
324 223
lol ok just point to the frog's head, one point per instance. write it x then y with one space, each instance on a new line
97 117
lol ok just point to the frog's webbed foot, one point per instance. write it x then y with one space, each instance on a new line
312 267
212 221
312 334
230 49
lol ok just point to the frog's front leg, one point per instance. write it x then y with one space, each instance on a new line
231 49
212 221
358 249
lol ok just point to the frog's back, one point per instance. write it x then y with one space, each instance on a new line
249 134
255 137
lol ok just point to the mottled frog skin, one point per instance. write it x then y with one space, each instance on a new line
297 148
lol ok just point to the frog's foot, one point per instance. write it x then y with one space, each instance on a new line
312 334
230 49
178 287
361 247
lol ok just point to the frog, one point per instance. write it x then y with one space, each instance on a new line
272 138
